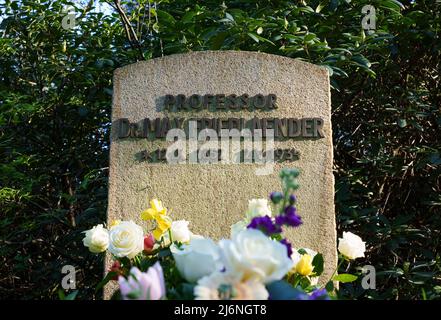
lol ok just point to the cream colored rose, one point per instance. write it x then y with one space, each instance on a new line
197 259
258 208
126 239
97 239
351 246
237 227
222 286
253 256
180 232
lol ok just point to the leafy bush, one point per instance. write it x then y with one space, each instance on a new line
55 98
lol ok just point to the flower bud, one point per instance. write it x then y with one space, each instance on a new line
304 266
276 197
292 199
149 242
116 267
293 184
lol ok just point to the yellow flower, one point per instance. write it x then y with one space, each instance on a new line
114 223
304 266
163 223
156 210
158 213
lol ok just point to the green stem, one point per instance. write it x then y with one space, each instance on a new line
285 196
336 269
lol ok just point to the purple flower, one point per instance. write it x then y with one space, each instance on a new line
290 218
292 199
287 245
290 210
265 224
143 285
318 294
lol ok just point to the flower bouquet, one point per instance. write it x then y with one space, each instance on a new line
256 263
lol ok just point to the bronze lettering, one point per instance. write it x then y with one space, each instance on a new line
180 102
294 128
220 102
280 128
271 101
244 101
307 124
169 101
196 101
230 102
259 101
318 128
208 101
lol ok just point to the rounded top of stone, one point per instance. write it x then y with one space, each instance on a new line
228 54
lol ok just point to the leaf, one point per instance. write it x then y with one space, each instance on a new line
253 36
109 276
72 295
402 123
330 70
165 17
282 290
309 37
218 41
61 294
394 5
345 277
319 7
329 286
188 17
318 263
361 61
229 16
164 253
257 38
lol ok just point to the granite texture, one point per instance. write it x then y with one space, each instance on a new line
214 196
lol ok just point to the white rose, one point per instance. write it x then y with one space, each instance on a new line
97 239
258 208
222 286
197 259
254 256
180 232
351 246
237 227
126 240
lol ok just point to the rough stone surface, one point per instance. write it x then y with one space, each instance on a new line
214 196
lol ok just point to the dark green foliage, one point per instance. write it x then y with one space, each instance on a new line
55 98
55 94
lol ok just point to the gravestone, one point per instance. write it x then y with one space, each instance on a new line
223 90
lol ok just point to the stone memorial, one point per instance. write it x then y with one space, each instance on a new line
192 96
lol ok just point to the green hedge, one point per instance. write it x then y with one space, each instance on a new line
55 99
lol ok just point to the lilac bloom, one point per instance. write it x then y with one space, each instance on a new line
290 218
265 224
319 294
